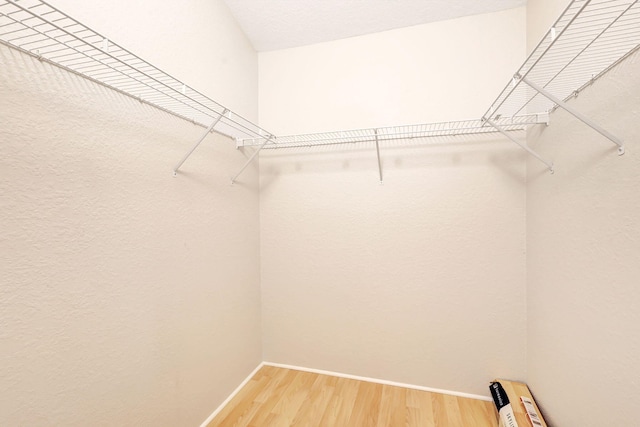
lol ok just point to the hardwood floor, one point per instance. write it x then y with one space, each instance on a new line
277 397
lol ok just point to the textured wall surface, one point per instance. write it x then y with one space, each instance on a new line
583 239
420 280
128 297
449 70
583 245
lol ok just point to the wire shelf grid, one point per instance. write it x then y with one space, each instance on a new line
395 133
588 39
585 41
37 28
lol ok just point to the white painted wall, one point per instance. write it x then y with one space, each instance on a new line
447 70
541 14
128 297
420 280
583 243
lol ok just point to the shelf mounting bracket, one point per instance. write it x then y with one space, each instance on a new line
520 144
253 156
378 153
560 103
209 129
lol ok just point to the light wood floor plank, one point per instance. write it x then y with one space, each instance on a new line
452 410
472 417
393 407
341 404
242 402
440 416
419 408
311 411
490 411
367 405
276 378
294 396
277 397
260 419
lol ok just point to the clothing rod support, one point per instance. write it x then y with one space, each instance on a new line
253 156
209 129
378 153
577 115
521 145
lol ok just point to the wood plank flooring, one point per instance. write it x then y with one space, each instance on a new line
277 397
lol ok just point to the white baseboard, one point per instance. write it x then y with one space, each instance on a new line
379 381
231 396
341 375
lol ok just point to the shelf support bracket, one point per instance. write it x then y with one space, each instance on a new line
520 144
593 125
378 153
209 129
253 156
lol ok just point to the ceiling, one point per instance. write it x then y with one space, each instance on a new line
281 24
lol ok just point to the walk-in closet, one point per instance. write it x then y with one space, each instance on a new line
301 213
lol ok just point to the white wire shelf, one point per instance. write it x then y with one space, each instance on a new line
589 38
396 133
39 29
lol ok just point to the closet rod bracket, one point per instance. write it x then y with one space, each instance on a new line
520 144
378 154
253 156
209 129
560 103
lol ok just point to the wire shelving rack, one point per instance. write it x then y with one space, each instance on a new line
398 133
588 39
39 29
